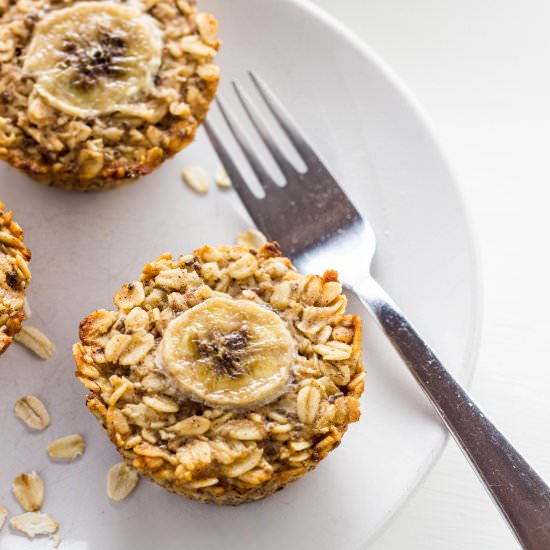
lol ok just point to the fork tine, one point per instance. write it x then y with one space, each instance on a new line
240 185
266 181
308 155
257 121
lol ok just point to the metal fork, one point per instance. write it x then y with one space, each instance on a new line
317 226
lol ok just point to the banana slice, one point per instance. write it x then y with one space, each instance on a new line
95 58
228 353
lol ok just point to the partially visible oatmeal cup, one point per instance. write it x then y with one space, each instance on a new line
14 277
96 93
224 375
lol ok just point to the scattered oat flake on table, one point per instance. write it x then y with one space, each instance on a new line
68 447
3 516
28 489
34 523
32 412
252 238
222 179
56 540
196 178
36 341
121 481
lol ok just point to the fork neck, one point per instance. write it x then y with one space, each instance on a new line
351 249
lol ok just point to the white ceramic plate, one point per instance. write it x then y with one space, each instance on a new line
85 246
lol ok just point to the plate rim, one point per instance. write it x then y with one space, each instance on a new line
476 328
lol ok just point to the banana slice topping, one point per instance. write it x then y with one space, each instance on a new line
228 353
95 58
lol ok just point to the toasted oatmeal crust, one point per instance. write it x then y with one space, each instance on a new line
206 453
14 277
104 151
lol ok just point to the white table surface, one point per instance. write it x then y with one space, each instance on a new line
481 71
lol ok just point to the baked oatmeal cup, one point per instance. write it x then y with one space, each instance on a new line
98 92
224 375
14 277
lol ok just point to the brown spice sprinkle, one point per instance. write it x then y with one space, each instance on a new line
98 152
208 453
225 349
89 67
14 277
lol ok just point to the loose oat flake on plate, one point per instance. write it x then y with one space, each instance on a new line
34 524
3 516
32 412
28 489
69 447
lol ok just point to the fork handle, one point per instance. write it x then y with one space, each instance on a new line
520 493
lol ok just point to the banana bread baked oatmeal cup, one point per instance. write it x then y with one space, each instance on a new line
225 374
14 277
97 92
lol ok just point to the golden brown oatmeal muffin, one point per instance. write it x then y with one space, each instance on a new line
14 277
95 93
225 374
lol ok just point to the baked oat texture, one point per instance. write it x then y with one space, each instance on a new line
205 452
77 152
14 277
